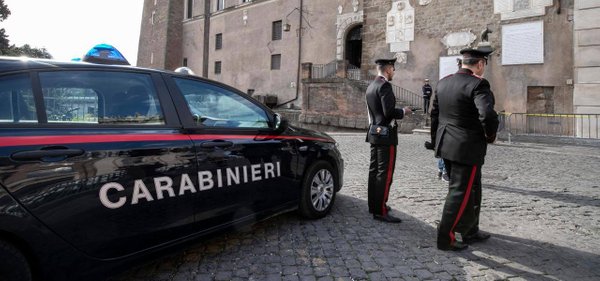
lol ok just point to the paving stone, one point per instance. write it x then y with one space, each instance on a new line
307 278
357 273
223 275
321 271
423 274
391 272
290 278
202 277
339 271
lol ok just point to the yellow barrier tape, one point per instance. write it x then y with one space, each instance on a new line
552 115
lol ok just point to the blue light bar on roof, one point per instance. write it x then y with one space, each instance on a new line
105 54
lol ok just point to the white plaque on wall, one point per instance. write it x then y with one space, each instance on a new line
448 65
523 43
400 24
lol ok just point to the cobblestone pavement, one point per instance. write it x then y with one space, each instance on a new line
541 203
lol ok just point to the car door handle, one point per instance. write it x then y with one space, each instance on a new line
46 153
212 144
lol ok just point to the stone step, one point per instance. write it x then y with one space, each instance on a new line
421 131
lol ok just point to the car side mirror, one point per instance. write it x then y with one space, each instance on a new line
281 123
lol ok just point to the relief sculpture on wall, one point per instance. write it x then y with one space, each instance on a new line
400 28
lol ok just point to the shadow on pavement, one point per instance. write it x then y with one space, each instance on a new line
350 245
563 197
534 260
499 258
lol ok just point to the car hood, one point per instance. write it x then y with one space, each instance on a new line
297 131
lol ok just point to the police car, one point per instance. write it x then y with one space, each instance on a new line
100 164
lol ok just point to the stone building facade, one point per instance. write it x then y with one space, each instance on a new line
587 56
546 60
262 43
161 33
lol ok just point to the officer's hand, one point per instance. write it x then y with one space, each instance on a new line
490 139
429 145
407 110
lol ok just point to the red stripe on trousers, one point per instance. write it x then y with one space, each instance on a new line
463 205
388 182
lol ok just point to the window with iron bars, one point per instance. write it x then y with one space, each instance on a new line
276 34
276 61
217 67
219 41
189 9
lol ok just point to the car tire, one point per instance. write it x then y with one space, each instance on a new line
14 265
318 190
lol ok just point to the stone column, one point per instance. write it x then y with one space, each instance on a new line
586 94
341 69
306 70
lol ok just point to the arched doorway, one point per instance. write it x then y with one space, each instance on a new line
353 46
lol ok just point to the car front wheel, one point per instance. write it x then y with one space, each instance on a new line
14 266
318 190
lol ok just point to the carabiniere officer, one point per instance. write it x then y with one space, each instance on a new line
463 122
381 106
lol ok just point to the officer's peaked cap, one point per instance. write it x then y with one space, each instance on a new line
478 52
383 62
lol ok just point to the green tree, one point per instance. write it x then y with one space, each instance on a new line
4 13
28 51
6 49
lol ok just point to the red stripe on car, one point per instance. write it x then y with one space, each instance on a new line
71 139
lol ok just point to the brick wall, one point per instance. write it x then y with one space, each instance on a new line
341 103
174 35
373 35
333 102
160 42
439 17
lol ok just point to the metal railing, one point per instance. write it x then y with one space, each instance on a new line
407 96
585 126
324 70
353 72
402 95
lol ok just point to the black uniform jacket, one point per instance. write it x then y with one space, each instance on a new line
381 104
427 90
461 117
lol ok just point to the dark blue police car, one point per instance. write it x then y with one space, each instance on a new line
100 164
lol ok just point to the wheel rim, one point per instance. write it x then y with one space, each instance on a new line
321 190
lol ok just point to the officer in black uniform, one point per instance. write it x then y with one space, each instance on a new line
463 122
383 137
427 92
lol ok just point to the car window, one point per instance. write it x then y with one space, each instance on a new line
213 106
16 100
100 97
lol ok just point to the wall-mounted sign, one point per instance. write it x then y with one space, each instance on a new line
517 9
523 43
448 65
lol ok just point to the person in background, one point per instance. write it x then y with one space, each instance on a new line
427 92
442 174
463 122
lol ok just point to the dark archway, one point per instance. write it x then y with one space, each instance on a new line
353 47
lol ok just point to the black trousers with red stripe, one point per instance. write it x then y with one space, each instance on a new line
381 172
463 203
